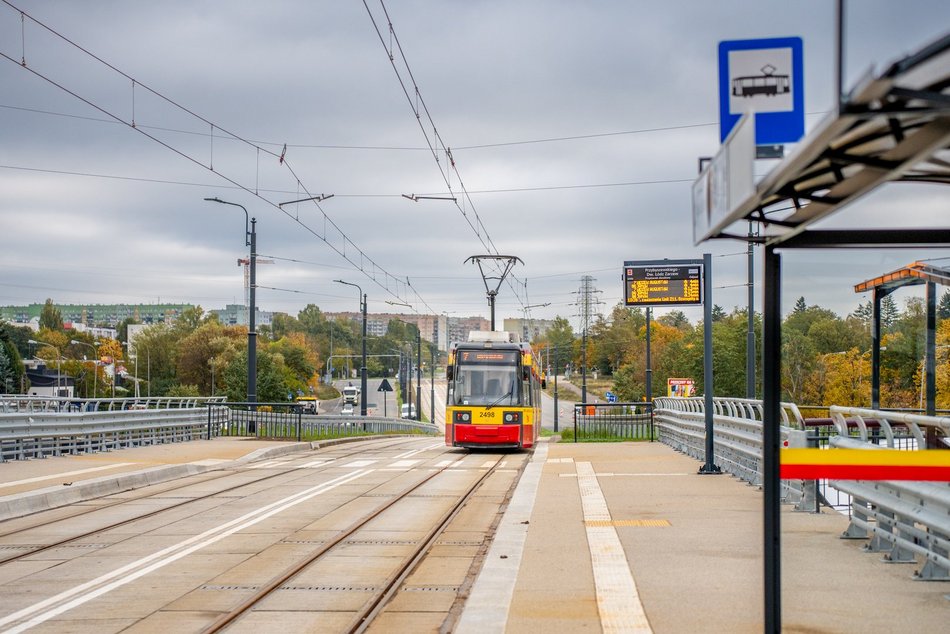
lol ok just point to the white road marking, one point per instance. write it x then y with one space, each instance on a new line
488 465
416 451
270 464
359 464
404 464
486 610
74 597
446 463
57 476
627 475
315 464
617 599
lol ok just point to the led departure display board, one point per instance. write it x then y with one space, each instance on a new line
663 282
491 357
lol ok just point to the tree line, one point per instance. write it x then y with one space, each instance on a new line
826 359
197 355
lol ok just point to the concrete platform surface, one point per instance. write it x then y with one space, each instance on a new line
614 537
629 537
29 486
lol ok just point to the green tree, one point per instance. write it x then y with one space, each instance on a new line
211 340
890 313
50 317
864 313
189 319
943 306
184 390
12 373
271 387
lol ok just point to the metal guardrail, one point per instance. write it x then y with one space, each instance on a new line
614 421
681 423
286 420
44 427
10 403
902 519
905 521
39 434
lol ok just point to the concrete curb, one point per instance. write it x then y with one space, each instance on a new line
29 502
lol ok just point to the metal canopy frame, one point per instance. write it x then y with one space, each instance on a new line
913 274
893 127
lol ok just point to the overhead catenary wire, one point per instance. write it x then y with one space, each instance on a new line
388 148
392 284
435 143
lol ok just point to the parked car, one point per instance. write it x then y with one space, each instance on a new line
347 410
406 412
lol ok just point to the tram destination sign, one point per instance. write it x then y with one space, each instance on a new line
663 282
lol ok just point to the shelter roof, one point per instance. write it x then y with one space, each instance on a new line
893 127
915 273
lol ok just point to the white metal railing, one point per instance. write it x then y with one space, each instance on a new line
19 403
906 521
902 519
39 434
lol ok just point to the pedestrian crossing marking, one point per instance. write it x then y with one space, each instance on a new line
404 464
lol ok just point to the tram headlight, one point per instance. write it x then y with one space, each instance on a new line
463 417
512 418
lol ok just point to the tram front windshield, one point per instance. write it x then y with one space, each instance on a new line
486 377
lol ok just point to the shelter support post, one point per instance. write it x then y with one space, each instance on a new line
771 419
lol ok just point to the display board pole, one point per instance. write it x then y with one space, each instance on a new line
710 467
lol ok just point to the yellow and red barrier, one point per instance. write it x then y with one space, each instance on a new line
862 464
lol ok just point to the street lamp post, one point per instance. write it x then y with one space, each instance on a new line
363 395
250 241
432 387
95 364
418 368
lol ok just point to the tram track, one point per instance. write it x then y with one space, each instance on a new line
156 512
373 606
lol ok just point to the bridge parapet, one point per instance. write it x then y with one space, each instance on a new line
905 521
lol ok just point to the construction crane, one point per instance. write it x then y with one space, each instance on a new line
246 262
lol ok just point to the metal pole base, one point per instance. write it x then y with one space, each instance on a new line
709 469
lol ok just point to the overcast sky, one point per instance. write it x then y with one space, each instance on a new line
575 129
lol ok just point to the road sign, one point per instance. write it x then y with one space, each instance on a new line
384 386
765 77
611 397
663 282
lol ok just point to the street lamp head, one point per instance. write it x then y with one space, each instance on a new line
247 230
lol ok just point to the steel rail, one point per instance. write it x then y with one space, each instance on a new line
375 606
277 581
130 520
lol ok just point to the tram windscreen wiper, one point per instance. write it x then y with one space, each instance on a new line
503 396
